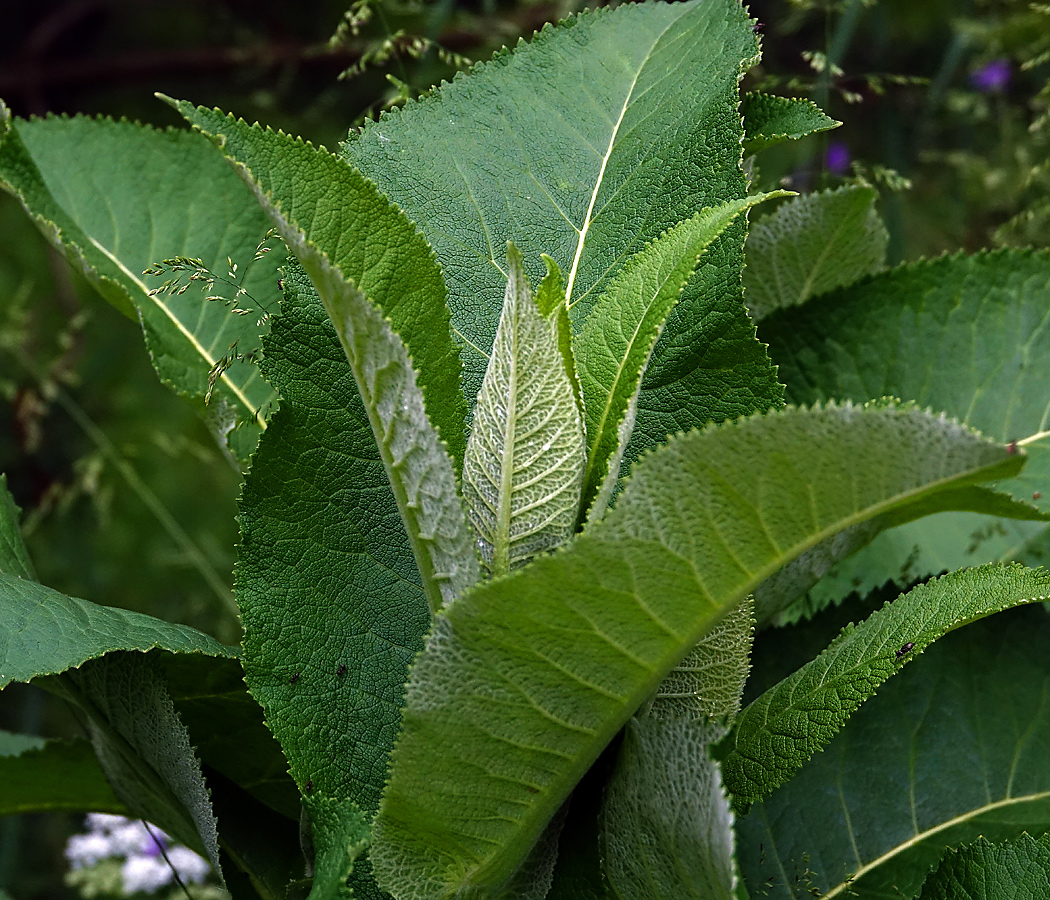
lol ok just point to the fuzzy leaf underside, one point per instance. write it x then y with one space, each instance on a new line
631 125
340 576
136 196
525 679
38 776
383 290
964 334
1010 870
951 748
667 830
778 732
770 120
525 456
617 337
812 245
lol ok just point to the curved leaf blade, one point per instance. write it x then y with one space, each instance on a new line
383 291
526 678
617 338
779 731
812 245
950 749
770 120
964 334
135 196
524 465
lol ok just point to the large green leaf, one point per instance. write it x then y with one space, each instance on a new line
325 557
1011 870
951 748
525 679
524 465
384 293
812 245
617 338
779 731
586 143
963 334
38 775
771 120
14 558
116 197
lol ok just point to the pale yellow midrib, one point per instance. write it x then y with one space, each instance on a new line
186 333
918 838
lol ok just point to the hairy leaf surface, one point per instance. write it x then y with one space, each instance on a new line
136 196
771 120
1010 870
383 290
812 245
526 678
524 464
964 334
14 558
779 731
667 828
38 775
616 340
608 130
950 749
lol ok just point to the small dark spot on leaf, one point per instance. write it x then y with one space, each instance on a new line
309 786
1011 448
280 284
294 678
531 789
341 670
905 650
1036 495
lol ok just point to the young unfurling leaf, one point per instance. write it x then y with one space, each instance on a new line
523 470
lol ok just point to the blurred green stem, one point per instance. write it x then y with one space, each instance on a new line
150 500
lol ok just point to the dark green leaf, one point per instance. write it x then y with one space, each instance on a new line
770 120
1011 870
14 559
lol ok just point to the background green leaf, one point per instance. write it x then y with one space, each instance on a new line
951 748
526 678
963 334
811 245
1011 870
771 120
779 731
136 196
38 775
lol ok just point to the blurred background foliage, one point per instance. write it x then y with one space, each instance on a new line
126 497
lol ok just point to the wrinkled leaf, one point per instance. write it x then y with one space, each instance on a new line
1011 870
771 120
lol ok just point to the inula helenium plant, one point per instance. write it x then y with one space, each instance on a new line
524 482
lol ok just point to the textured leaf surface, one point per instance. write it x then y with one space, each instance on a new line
527 678
667 827
1011 870
779 731
617 338
14 558
964 334
586 143
771 120
38 775
340 833
951 748
44 632
812 245
325 557
135 196
144 748
524 465
383 291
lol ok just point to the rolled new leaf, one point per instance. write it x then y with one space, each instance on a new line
783 728
524 464
525 679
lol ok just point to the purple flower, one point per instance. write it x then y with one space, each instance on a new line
993 77
837 158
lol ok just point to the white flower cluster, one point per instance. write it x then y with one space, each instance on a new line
144 849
